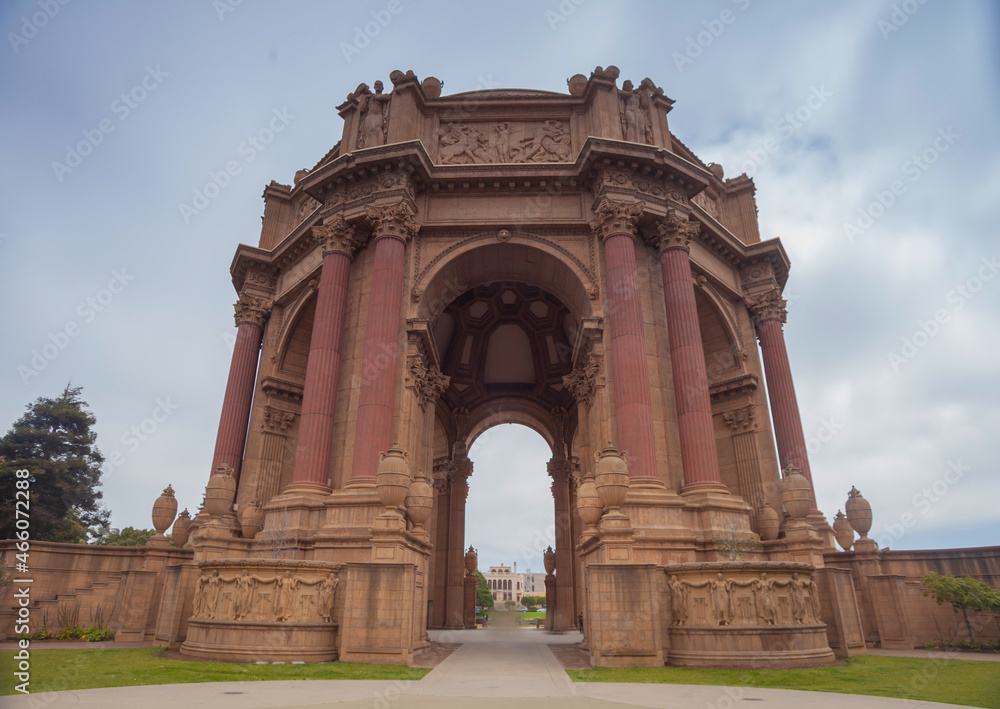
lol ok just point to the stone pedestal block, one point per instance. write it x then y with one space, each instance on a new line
622 611
840 612
378 625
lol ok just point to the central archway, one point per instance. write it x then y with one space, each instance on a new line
510 517
504 317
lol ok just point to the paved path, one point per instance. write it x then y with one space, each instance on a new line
496 668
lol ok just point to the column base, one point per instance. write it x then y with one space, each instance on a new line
817 520
307 488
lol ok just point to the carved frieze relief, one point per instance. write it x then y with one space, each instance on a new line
503 142
263 594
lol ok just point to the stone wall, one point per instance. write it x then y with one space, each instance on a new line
91 585
894 611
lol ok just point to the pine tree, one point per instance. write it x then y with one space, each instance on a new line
55 443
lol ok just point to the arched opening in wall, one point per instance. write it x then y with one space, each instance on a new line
509 512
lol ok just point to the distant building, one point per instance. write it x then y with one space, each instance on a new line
505 584
534 583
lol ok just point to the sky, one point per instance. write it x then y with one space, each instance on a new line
870 129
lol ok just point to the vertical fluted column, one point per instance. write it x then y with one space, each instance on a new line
232 436
768 311
319 399
559 470
687 355
615 223
392 226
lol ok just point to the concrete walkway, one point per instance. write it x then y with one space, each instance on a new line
496 667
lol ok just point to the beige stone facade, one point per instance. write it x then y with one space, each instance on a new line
505 584
558 260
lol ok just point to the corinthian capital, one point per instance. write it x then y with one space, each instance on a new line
614 217
428 382
583 381
766 306
251 309
336 235
395 220
676 231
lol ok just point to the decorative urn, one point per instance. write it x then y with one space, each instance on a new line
182 528
251 519
588 502
843 531
393 478
164 510
859 512
768 523
577 84
471 561
796 493
419 502
549 559
611 478
220 492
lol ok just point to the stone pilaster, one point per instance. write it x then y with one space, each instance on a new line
743 423
273 433
560 472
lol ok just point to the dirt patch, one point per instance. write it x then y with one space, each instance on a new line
431 657
571 657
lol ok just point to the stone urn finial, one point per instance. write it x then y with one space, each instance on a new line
843 531
471 561
251 519
768 523
182 528
549 559
393 478
796 492
419 502
589 504
859 513
164 510
611 478
220 491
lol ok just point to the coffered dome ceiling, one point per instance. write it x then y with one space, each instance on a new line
505 339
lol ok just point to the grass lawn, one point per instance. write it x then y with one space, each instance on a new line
56 670
952 681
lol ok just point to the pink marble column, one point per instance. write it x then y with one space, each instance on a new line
687 355
768 311
235 419
615 223
392 226
319 399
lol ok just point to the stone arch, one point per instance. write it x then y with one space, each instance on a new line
510 410
526 259
720 339
298 325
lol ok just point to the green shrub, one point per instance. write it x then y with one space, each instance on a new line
70 632
96 634
39 634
